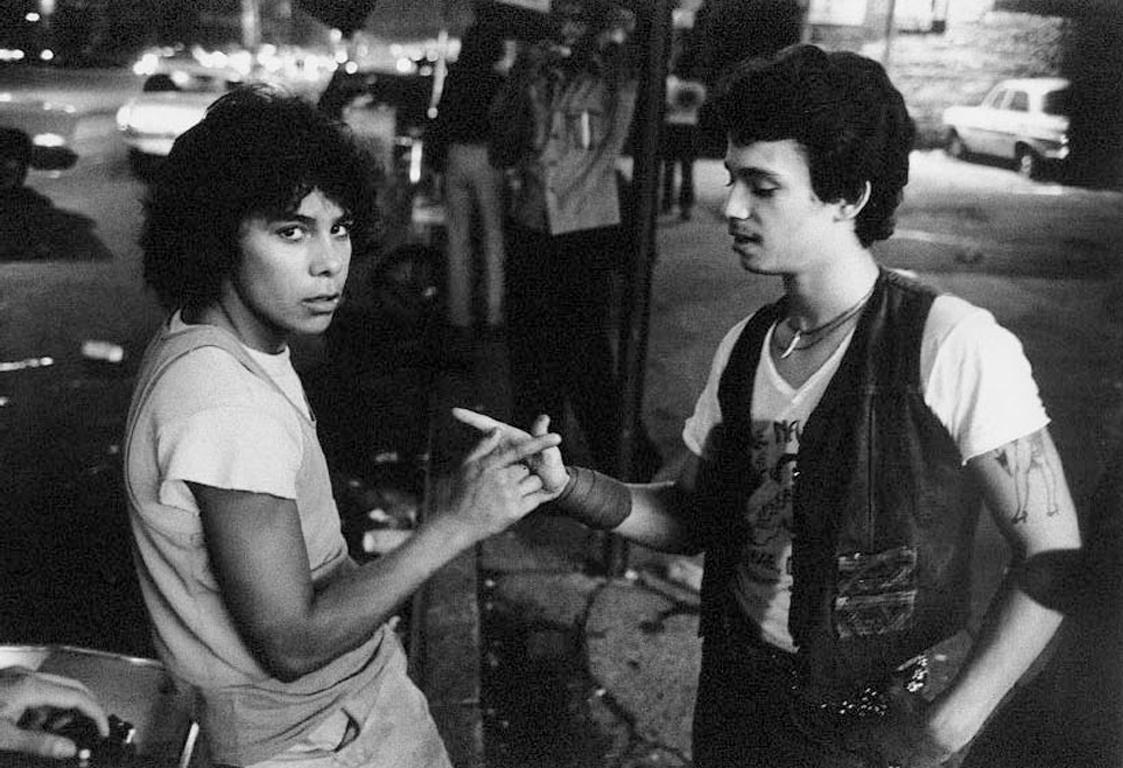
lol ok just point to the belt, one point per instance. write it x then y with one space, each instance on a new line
874 699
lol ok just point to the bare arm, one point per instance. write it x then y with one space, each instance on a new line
660 516
1025 489
258 555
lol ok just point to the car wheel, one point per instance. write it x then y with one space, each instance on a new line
956 148
1028 163
142 165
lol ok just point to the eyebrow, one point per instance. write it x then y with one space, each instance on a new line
754 173
284 216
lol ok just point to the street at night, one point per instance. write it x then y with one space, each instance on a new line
1044 255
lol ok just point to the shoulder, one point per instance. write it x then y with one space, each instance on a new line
733 335
957 321
209 378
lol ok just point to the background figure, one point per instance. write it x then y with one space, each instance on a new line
473 188
680 142
560 124
15 158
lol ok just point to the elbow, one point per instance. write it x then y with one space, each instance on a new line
287 660
284 674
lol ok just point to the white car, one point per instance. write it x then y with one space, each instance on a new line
1025 120
170 102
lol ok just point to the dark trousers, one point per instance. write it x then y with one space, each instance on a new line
559 291
678 149
747 714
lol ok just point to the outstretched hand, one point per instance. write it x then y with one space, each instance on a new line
547 464
26 699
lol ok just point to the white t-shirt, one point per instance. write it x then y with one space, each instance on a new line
251 441
975 378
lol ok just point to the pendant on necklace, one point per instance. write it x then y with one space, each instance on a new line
796 336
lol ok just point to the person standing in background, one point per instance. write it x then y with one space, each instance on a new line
560 124
473 188
680 131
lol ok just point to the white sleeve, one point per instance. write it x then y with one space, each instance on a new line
239 433
977 379
707 410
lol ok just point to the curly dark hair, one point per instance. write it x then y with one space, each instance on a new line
258 151
843 111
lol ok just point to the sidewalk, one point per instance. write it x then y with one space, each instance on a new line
532 658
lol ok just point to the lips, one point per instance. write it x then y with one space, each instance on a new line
323 303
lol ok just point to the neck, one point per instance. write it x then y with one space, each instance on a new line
816 298
247 331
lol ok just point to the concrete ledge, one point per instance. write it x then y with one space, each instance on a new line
445 647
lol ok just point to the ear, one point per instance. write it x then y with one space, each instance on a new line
849 209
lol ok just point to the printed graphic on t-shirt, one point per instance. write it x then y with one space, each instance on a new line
769 511
763 574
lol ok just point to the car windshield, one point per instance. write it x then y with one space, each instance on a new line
1057 102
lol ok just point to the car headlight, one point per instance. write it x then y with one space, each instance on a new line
48 140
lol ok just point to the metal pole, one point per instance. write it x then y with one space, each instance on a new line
655 27
890 28
251 25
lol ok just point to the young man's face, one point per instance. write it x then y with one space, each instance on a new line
778 223
291 275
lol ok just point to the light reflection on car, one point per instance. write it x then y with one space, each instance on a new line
1025 120
170 102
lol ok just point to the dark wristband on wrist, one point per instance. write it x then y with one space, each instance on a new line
594 499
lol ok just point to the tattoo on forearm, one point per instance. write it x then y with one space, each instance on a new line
1025 460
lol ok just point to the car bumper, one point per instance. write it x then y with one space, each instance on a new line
148 145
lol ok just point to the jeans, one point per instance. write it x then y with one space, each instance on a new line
473 193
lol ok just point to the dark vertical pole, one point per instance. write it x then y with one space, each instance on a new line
654 27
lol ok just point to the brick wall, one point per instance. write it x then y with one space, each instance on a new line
960 65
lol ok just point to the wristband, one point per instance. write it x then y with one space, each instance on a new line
594 499
1057 578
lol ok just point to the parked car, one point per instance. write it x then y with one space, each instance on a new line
171 101
1025 120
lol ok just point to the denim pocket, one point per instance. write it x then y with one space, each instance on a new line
876 592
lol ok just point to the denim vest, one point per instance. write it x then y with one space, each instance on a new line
884 510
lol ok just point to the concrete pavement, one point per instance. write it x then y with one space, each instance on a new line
550 662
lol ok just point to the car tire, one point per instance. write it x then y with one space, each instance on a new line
956 148
1028 164
141 164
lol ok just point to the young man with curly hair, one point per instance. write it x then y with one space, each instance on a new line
839 454
257 609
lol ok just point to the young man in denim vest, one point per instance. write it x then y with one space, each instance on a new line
839 454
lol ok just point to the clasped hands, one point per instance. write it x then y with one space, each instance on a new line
545 464
27 698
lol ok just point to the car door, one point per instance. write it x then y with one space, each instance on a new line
1014 124
974 123
992 123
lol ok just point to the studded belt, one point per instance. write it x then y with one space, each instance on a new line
871 700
